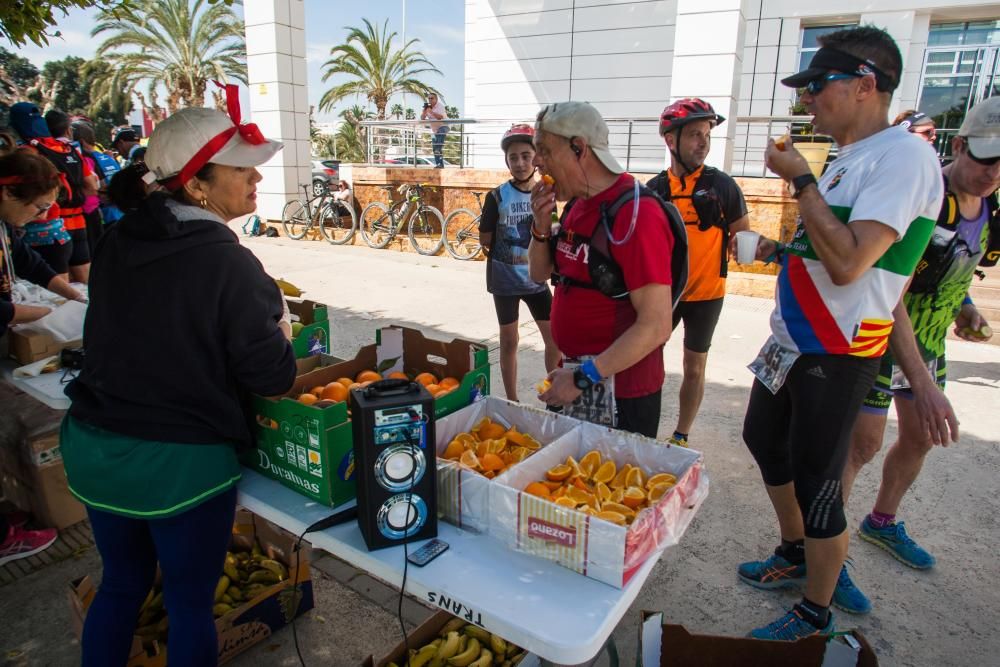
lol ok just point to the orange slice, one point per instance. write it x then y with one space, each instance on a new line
613 517
603 492
660 479
519 454
658 491
491 431
619 481
491 463
530 443
490 474
590 462
558 473
553 486
624 510
617 495
538 489
454 450
634 478
497 445
634 496
571 462
566 502
469 460
606 472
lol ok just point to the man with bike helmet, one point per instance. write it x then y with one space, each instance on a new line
505 233
713 209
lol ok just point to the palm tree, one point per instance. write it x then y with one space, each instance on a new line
352 137
397 110
375 69
179 45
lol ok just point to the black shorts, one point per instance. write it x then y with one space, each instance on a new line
806 427
509 307
56 255
700 318
640 415
81 247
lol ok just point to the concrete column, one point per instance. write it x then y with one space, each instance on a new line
708 63
276 68
910 32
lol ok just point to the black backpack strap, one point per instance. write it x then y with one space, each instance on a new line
992 254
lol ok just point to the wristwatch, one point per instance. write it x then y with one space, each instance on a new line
581 380
800 183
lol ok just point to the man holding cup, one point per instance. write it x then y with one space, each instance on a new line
861 231
434 110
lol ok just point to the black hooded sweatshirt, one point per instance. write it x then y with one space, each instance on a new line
182 326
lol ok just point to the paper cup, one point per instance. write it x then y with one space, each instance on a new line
746 246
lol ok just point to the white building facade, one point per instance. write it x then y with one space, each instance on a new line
630 58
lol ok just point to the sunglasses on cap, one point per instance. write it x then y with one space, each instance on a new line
986 162
816 86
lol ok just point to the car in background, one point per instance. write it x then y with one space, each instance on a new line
421 161
325 174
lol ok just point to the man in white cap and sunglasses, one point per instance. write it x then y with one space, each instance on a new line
966 235
618 259
861 230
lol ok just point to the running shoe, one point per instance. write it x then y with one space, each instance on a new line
677 442
775 572
847 596
791 627
893 538
21 543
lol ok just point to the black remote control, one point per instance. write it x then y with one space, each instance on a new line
428 552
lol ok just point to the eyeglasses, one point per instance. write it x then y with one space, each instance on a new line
816 86
986 162
42 208
928 131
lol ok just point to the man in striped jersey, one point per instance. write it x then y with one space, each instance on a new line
861 230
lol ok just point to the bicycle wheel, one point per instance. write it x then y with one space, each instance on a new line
461 235
338 222
376 225
426 230
295 219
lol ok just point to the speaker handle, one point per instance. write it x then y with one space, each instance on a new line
382 388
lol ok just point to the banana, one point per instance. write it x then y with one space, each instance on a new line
423 656
448 647
475 631
242 556
255 551
221 587
263 577
485 659
287 288
466 657
274 566
451 626
227 599
518 657
235 593
231 571
221 609
498 645
156 603
253 590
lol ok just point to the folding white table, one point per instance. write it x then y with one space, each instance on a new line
551 611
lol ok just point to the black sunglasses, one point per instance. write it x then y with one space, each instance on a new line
986 162
816 86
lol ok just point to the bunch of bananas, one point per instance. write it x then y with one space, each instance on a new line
462 644
245 575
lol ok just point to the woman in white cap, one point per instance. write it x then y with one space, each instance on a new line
183 326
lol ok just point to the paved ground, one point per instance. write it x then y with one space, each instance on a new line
943 617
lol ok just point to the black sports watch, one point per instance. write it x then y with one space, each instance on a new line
800 183
581 380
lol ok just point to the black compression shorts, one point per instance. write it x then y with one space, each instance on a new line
509 307
700 318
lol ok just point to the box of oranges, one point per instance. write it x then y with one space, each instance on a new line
304 438
479 443
599 501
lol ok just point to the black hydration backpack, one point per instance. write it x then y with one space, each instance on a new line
71 165
605 273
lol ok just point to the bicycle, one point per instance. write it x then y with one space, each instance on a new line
464 243
425 224
337 220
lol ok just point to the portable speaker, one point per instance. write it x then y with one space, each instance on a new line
395 462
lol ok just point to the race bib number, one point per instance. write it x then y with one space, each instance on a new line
772 364
899 380
596 404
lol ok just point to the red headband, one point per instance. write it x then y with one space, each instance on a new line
21 180
249 131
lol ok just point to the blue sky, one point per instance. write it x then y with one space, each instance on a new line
438 24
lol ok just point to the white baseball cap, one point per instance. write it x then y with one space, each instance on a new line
981 128
579 119
191 138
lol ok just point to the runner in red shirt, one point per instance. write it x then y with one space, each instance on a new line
620 341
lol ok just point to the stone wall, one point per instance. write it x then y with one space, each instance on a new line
772 211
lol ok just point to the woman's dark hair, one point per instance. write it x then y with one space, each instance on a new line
37 174
345 184
84 133
127 189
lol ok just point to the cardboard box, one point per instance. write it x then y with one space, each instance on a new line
463 494
665 645
250 623
424 634
29 346
315 335
310 449
593 547
31 470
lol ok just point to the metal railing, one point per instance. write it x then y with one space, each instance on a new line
475 143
